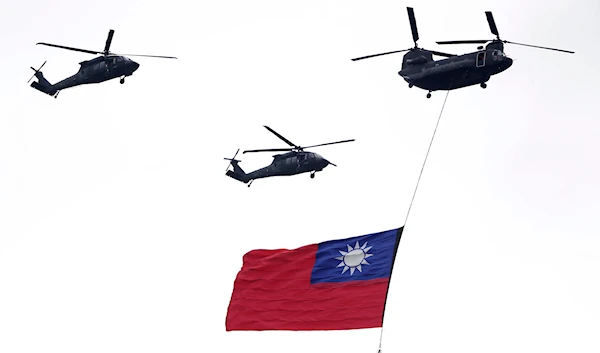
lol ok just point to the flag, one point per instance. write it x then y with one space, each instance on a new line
335 285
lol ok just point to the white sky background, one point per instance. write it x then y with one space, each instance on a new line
119 231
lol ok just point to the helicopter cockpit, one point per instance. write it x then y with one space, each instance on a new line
303 157
119 59
497 52
498 55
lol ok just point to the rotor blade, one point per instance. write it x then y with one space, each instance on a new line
281 137
476 41
108 41
330 143
231 160
39 67
36 71
413 24
149 56
371 56
492 23
439 53
270 150
70 48
536 46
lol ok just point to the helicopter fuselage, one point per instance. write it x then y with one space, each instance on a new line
291 163
98 70
456 71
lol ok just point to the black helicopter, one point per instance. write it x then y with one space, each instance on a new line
457 71
100 69
291 163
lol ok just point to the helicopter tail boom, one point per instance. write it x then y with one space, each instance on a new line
238 176
44 88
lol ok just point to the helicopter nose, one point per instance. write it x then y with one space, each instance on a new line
506 63
135 65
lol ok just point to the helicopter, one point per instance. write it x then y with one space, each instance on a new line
457 71
296 161
100 69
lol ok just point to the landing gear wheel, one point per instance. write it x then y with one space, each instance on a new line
429 95
410 85
122 80
483 85
312 175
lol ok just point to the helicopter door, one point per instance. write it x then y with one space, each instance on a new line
295 163
301 159
480 59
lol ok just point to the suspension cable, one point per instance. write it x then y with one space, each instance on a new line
417 186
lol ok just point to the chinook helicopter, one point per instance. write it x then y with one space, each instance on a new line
100 69
457 71
296 161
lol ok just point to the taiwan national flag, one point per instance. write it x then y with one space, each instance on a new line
335 285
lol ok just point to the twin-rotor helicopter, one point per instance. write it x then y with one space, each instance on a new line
296 161
103 68
457 71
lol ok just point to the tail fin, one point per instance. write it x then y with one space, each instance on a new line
42 85
237 173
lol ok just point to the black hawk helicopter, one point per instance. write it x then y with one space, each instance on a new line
457 71
291 163
100 69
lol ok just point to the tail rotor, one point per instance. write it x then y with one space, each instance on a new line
232 160
36 71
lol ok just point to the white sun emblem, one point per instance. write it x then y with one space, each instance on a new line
353 259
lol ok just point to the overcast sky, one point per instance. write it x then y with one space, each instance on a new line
119 231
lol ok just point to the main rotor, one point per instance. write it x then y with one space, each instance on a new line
294 147
494 30
106 52
415 35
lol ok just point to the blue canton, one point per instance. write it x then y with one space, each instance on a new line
355 259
